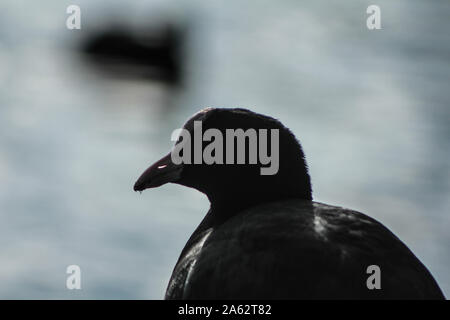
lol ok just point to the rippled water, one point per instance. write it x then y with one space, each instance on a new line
371 109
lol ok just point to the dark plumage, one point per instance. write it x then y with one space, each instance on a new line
264 237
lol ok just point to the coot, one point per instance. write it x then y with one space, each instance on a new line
264 237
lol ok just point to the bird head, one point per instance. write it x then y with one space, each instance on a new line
236 157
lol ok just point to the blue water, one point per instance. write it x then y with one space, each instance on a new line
371 109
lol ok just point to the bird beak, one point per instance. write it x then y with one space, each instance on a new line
159 173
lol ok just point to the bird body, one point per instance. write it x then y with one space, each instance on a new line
297 249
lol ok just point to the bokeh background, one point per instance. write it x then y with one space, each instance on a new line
80 119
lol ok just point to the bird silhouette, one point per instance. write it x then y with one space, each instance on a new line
265 238
149 55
